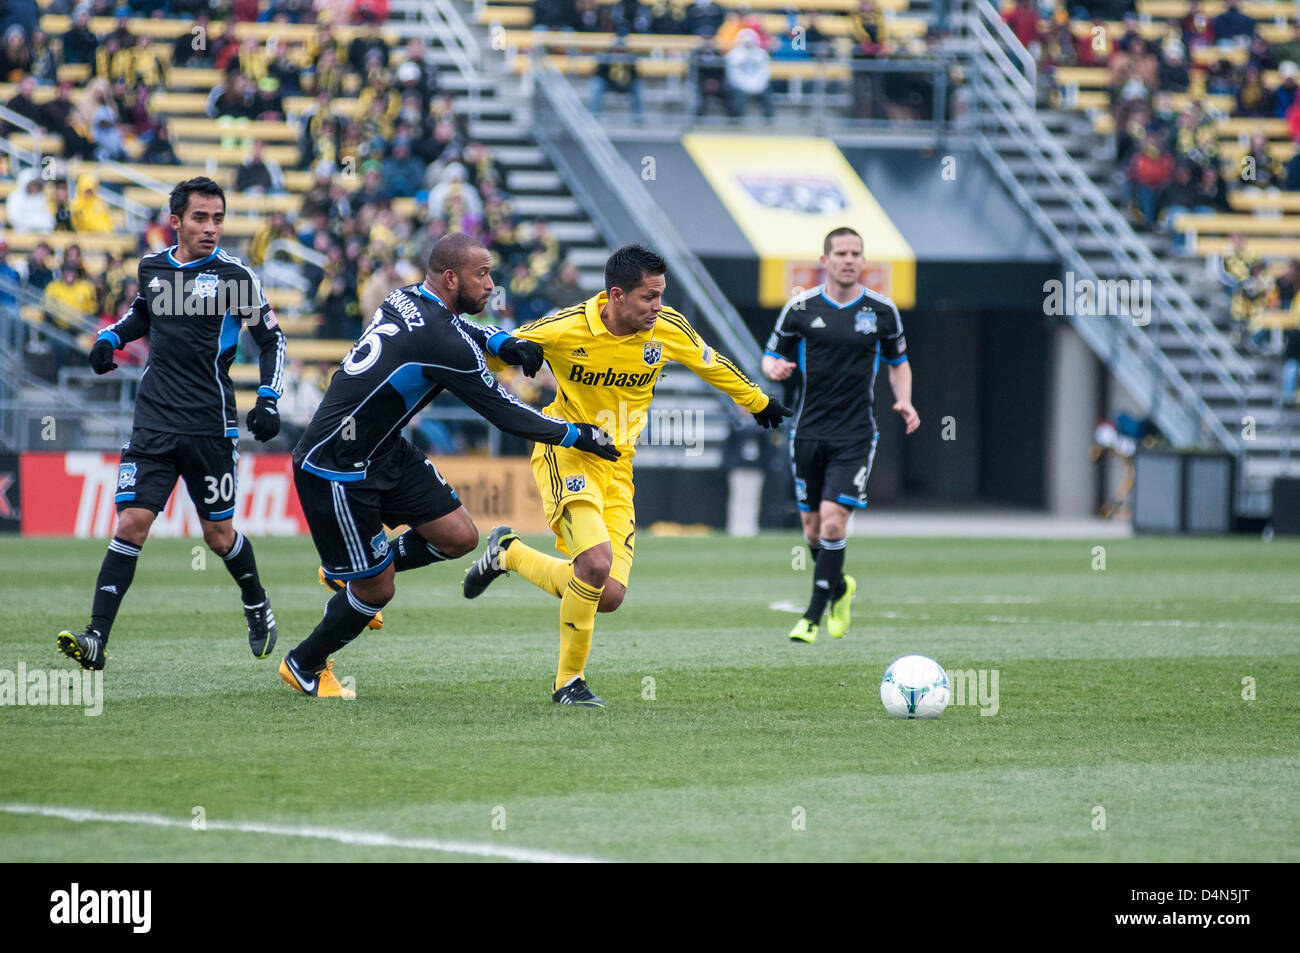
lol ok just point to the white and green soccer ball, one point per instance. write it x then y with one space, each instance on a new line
915 687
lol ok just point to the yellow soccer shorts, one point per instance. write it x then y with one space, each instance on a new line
565 476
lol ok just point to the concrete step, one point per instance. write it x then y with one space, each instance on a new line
577 233
520 156
530 180
547 206
490 132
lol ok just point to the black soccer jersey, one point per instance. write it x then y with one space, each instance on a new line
412 348
838 349
191 314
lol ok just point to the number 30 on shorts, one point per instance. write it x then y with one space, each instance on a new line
220 490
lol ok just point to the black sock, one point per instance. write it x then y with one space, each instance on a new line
414 551
827 577
815 551
243 567
115 575
345 618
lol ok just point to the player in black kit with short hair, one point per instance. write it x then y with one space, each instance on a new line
836 334
193 299
354 471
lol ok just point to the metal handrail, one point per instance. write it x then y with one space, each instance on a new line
1016 118
555 92
457 39
32 158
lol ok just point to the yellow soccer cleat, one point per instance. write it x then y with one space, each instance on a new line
322 684
803 631
330 582
837 617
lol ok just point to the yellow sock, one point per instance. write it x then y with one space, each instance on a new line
577 621
545 572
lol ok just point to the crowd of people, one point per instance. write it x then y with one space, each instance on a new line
1170 155
388 179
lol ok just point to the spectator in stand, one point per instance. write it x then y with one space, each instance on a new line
1232 24
1025 23
564 288
1249 300
40 266
60 207
90 213
555 15
9 276
1196 26
1173 74
1293 166
1286 93
15 57
749 71
136 352
259 174
1181 197
70 301
703 18
664 19
629 16
25 13
26 207
1254 101
340 312
616 72
80 44
23 104
1148 174
402 173
1291 365
589 16
1287 284
1262 56
1289 49
107 136
45 62
302 395
62 116
742 18
1212 191
193 47
1137 65
1259 168
369 11
158 150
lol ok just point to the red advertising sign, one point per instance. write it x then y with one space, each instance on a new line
71 494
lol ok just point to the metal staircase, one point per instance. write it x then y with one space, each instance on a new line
1193 382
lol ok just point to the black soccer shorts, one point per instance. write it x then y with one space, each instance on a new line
347 519
153 459
831 471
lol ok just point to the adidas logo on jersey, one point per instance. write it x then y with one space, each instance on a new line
578 352
817 323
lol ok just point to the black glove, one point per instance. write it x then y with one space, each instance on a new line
591 439
525 354
264 420
101 356
772 415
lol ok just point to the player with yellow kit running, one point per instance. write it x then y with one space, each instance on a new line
606 354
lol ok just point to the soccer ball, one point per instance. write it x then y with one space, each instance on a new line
915 687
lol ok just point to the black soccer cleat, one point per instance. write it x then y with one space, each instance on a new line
490 565
261 628
577 693
86 648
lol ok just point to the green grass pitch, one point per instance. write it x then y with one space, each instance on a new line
1122 733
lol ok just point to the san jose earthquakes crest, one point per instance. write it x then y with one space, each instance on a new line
651 353
205 285
865 321
126 475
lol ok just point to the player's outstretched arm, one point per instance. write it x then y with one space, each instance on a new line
507 349
134 324
490 400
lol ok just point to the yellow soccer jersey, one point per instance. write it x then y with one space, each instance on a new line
609 381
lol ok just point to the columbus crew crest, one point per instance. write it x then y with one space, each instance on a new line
575 484
652 352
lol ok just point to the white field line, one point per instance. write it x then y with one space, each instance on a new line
339 835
